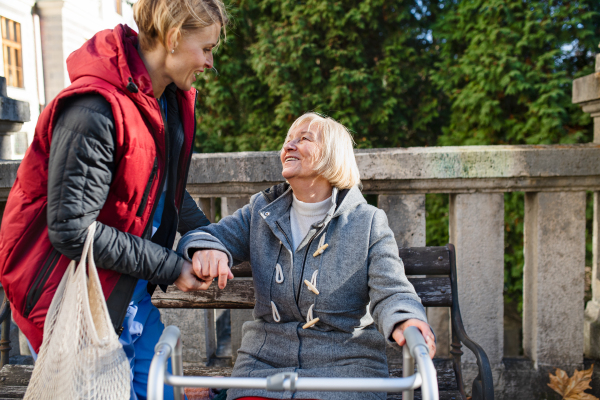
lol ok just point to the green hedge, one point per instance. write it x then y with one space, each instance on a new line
405 73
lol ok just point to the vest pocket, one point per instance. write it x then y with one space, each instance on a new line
142 208
36 290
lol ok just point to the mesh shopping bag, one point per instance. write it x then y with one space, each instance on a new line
80 356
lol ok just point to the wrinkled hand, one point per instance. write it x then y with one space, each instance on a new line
188 280
398 334
210 264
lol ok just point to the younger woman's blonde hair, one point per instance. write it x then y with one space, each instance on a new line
337 163
155 18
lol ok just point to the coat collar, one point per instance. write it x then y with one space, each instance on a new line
277 211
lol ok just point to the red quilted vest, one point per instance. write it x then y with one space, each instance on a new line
30 270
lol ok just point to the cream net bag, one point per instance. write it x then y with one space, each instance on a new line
80 357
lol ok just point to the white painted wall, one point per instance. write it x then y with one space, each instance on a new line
64 25
20 11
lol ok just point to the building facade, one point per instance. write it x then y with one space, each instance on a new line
37 37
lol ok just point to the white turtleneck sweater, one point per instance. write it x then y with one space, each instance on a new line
303 215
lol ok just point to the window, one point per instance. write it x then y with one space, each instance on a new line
11 50
119 6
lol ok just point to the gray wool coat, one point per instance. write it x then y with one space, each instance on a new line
360 279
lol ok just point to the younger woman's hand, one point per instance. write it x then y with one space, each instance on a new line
210 264
398 333
188 281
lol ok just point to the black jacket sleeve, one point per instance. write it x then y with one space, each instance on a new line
80 171
190 216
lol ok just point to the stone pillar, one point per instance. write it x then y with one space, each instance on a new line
207 205
591 324
198 327
229 205
12 115
238 317
477 231
553 278
406 217
586 91
199 343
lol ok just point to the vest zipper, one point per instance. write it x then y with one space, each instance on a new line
144 201
148 231
36 290
189 160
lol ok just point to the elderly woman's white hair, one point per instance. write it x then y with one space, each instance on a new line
337 163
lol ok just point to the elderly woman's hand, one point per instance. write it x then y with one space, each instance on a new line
398 333
210 264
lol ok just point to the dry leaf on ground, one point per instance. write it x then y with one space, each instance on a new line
572 388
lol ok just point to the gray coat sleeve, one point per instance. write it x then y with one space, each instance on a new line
231 235
393 298
80 171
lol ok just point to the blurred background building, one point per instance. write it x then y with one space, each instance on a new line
37 37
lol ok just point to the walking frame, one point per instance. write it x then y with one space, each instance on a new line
169 346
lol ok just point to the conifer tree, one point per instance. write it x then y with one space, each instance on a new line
508 67
365 63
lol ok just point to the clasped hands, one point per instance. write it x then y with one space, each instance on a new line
206 265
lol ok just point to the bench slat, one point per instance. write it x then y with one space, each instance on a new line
425 260
239 293
417 261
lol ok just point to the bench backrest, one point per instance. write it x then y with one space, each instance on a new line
428 269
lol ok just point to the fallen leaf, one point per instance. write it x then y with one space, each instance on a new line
584 396
572 388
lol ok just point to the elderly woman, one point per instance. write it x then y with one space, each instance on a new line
325 267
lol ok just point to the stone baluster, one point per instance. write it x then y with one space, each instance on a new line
207 204
477 231
406 218
12 115
198 327
229 205
586 92
553 278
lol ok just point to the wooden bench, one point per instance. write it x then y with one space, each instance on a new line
437 289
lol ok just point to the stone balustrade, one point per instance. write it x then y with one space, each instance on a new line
586 93
555 179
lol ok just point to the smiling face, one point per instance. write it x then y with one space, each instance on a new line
301 152
192 55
